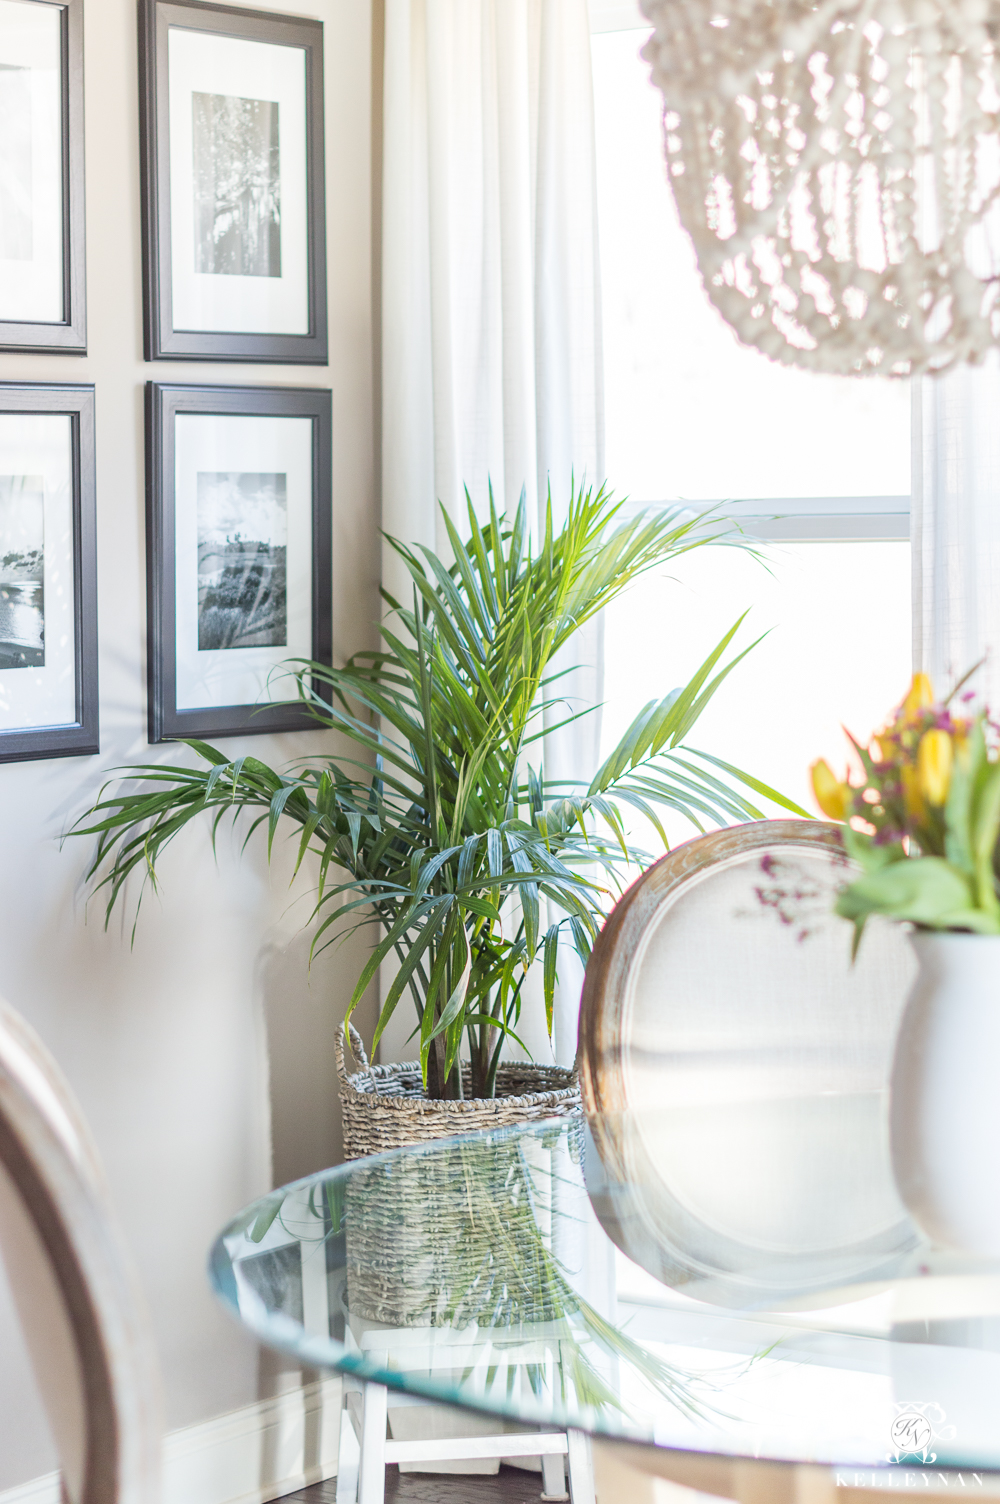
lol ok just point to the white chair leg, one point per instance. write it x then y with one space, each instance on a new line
348 1458
553 1477
580 1467
371 1474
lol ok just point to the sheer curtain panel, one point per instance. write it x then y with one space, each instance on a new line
956 526
491 321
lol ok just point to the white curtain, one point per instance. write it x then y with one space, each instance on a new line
491 321
955 527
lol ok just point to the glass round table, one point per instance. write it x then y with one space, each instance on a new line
784 1353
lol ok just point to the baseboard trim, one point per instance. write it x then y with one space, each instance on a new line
248 1456
43 1490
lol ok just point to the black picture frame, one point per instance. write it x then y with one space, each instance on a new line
162 341
164 403
81 735
68 336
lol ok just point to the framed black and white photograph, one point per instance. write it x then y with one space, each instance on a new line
233 184
238 541
42 276
48 572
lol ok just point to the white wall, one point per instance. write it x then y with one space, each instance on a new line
203 1055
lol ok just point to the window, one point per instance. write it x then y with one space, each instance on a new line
816 467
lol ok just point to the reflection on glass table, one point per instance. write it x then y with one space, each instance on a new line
480 1273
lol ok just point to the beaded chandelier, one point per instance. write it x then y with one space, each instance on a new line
837 166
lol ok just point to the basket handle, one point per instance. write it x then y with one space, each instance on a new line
357 1050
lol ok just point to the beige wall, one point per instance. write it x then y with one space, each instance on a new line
203 1055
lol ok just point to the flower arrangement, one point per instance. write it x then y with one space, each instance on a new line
924 820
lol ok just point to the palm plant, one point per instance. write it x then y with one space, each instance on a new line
442 830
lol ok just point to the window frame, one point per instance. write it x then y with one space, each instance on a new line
812 519
821 519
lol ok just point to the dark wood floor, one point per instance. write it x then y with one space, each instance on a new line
512 1485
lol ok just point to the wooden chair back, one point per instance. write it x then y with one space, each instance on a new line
734 1064
72 1283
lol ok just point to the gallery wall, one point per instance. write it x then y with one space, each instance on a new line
202 1052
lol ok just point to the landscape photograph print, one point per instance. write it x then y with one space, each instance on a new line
242 554
22 560
237 186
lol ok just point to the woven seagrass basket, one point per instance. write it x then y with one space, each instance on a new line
421 1241
460 1236
384 1106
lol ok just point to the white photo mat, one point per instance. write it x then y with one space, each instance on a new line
31 167
203 63
218 444
40 445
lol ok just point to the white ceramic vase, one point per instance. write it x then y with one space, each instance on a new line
945 1094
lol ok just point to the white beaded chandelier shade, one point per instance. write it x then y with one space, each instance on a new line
837 166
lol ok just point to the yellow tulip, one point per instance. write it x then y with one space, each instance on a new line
913 799
934 759
919 695
832 796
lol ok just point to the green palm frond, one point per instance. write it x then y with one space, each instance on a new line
439 830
